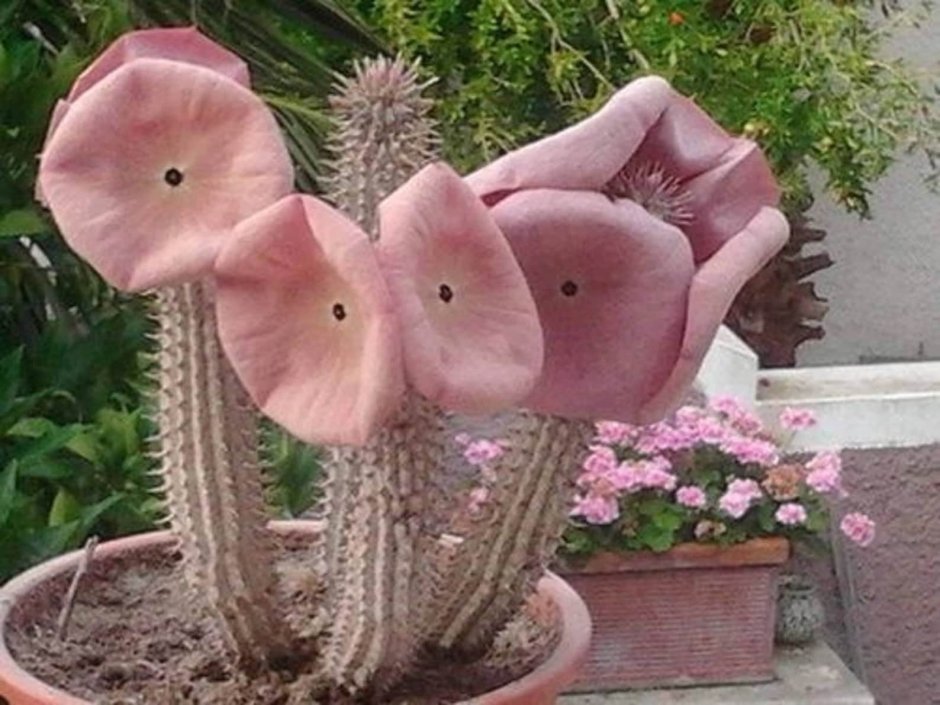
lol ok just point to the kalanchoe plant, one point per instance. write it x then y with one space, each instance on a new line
580 277
708 475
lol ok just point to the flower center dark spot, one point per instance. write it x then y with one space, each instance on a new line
173 176
446 293
569 288
339 311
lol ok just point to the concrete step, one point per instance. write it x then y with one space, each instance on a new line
813 675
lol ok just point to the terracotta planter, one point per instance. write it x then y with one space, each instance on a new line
696 614
35 589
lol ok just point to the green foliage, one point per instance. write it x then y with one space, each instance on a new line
71 452
803 77
294 469
707 475
72 375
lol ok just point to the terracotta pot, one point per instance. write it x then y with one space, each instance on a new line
47 582
696 614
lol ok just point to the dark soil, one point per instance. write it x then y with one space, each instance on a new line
134 639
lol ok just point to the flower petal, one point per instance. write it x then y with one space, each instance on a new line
306 320
610 282
713 290
472 338
728 179
107 170
185 44
685 140
727 196
585 156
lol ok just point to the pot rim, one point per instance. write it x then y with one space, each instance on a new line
559 670
769 551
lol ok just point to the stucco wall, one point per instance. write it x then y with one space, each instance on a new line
885 287
890 632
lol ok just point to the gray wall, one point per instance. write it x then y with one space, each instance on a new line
884 289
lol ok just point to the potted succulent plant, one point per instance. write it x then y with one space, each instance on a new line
677 535
373 325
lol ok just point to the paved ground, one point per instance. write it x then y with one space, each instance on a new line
811 676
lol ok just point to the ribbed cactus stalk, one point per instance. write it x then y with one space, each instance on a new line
377 497
382 135
208 452
379 502
507 548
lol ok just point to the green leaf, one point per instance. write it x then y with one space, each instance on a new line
64 508
24 221
90 515
669 519
10 366
54 439
7 491
87 447
32 427
656 538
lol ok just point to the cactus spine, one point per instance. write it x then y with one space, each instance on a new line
377 496
401 578
509 547
382 134
208 451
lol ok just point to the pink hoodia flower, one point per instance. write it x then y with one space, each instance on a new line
859 528
794 419
791 514
156 159
472 340
691 496
307 322
635 229
596 509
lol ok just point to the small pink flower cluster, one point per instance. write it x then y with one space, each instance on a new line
725 424
481 453
858 528
825 473
628 463
739 497
604 479
791 514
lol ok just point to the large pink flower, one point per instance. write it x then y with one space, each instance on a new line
184 44
307 321
156 160
471 333
635 229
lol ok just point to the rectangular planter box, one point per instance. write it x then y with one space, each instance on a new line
696 614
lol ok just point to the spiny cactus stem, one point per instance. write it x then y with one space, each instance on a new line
510 551
207 444
373 539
